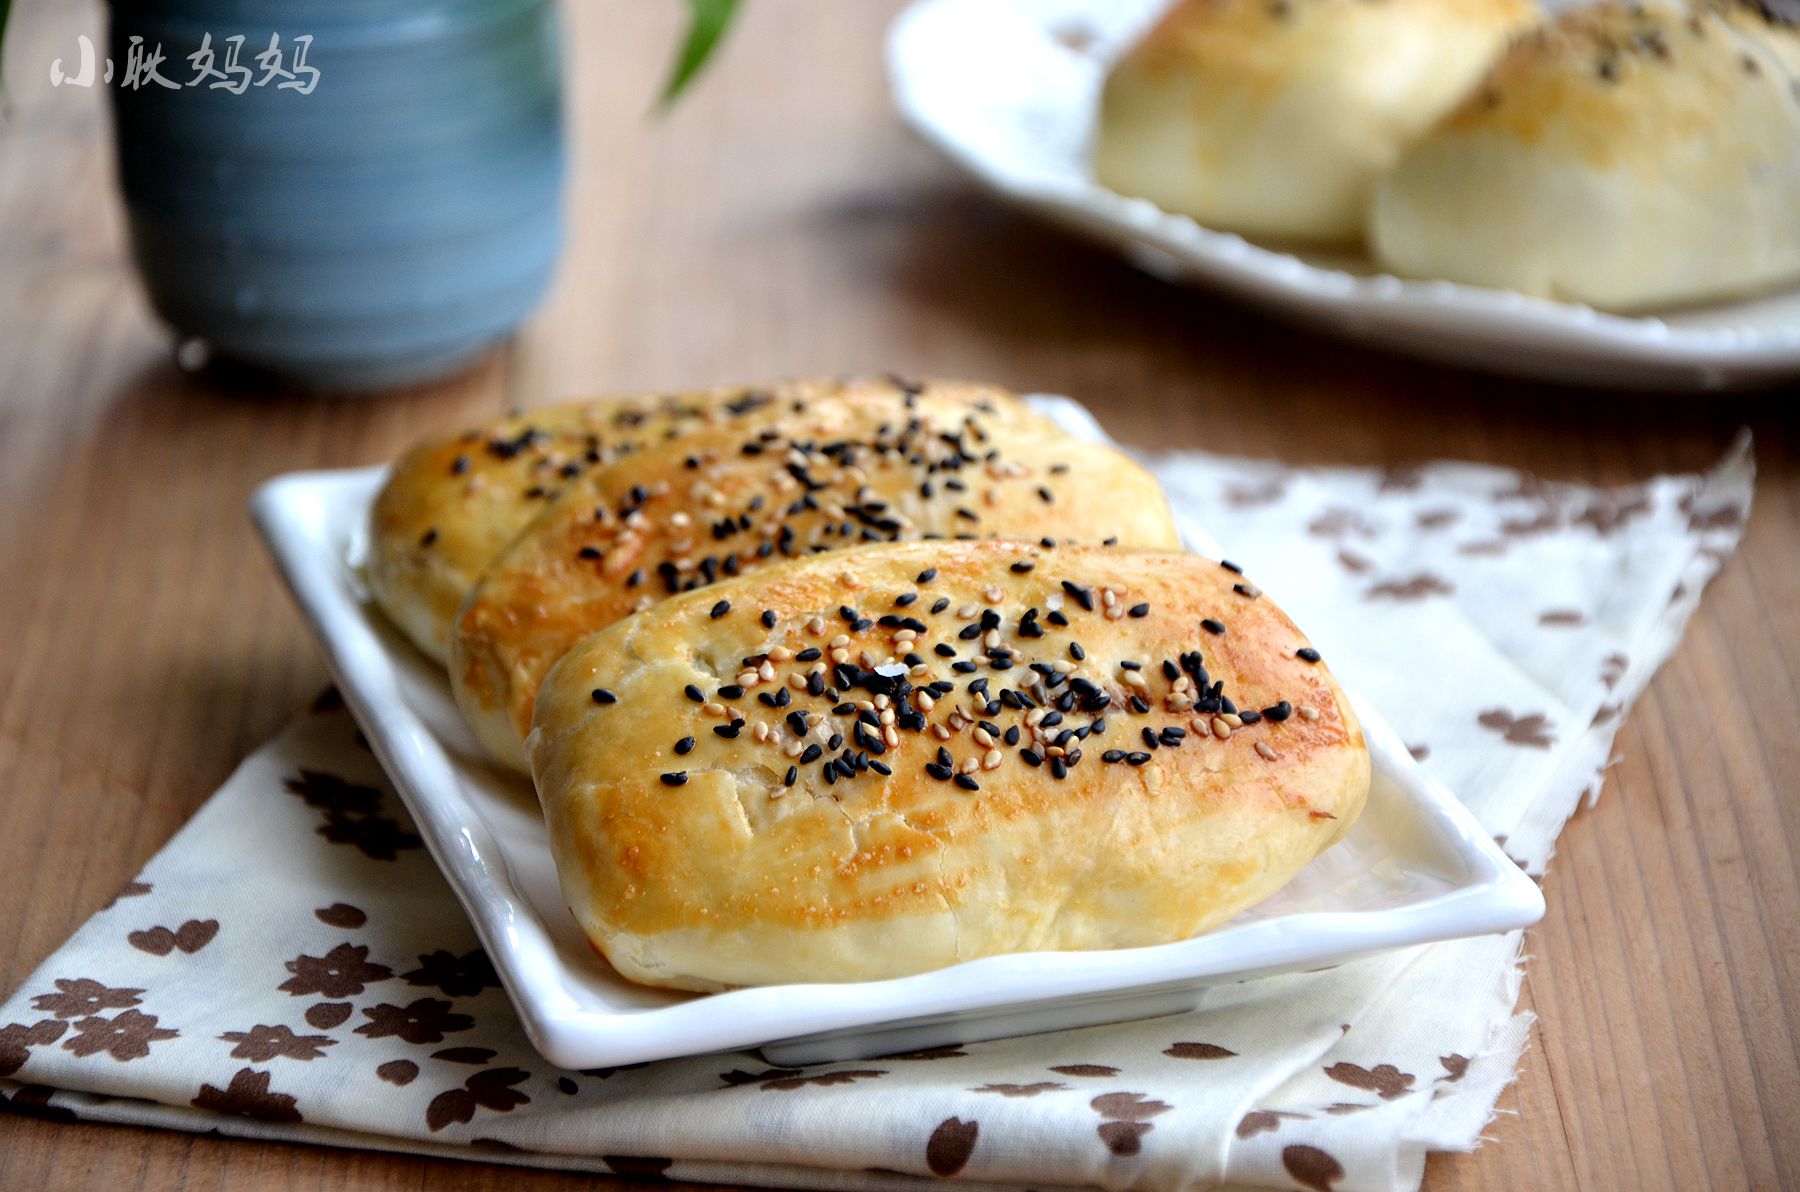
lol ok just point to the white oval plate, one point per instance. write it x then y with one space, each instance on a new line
1416 867
1007 90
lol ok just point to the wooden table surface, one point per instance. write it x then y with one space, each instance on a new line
781 222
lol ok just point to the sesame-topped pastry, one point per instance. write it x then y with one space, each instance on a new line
1625 156
453 502
873 763
716 503
1275 117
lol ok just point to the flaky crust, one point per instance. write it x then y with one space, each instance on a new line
739 876
1275 117
452 503
1623 156
828 473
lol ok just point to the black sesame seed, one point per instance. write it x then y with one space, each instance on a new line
1048 497
1212 626
811 754
1032 757
793 776
1058 768
675 778
694 693
1082 596
1011 736
926 576
837 739
428 537
1307 654
459 465
1113 755
728 731
768 618
1250 716
635 578
940 604
1140 610
1278 712
1137 759
810 654
1149 735
1076 652
731 691
1228 565
937 771
967 782
1023 566
1171 736
588 552
685 745
603 696
905 599
1055 617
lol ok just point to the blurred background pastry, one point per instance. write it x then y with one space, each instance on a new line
1626 157
1275 118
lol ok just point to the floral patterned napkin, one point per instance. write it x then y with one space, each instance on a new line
291 965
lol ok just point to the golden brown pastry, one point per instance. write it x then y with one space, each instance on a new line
715 503
873 763
452 503
1275 117
1624 156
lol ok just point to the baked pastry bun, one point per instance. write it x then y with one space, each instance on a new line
451 503
1274 118
832 472
1625 157
993 747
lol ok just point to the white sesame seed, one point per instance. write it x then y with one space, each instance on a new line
991 760
1264 750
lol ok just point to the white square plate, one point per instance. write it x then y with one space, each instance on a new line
1007 90
1417 867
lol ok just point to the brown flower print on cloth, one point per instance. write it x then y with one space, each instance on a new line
465 1055
788 1079
1084 1070
1401 478
81 998
17 1039
948 1051
1249 495
1340 1108
1022 1090
1261 1121
948 1149
248 1095
1613 668
260 1044
1436 519
398 1072
455 976
190 937
642 1168
1611 512
342 972
327 1015
33 1100
352 815
128 890
1126 1121
1312 1167
125 1036
1416 587
484 1090
427 1020
1532 730
1455 1067
1562 618
1339 522
341 914
1199 1051
1385 1080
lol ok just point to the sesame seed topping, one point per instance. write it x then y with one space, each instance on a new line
694 693
603 696
1265 751
1228 565
685 745
1212 626
926 576
1140 610
675 778
1307 654
720 609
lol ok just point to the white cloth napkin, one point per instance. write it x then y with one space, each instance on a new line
291 966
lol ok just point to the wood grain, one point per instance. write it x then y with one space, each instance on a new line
781 222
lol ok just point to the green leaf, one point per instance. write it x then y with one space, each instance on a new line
707 23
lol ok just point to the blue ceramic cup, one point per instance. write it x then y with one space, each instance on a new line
356 194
